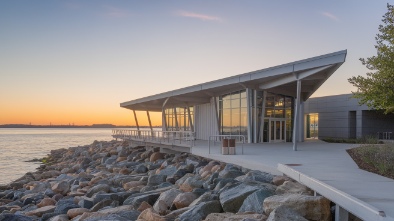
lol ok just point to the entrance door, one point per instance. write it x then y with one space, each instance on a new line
277 130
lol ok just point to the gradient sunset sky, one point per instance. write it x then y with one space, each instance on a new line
73 62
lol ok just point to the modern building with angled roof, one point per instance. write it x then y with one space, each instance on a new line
259 106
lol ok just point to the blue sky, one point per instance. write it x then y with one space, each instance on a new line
64 60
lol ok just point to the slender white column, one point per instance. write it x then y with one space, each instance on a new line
297 116
262 117
255 116
150 123
341 214
163 115
176 119
217 114
190 119
249 113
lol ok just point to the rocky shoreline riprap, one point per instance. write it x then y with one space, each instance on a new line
116 180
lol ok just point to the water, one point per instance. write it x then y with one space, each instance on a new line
19 145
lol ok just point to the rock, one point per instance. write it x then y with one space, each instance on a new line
140 169
136 201
184 200
235 217
144 205
310 207
133 184
254 202
61 217
293 187
169 171
156 156
14 217
232 174
101 204
46 202
279 180
283 213
201 211
204 198
256 175
86 203
40 211
98 188
155 180
233 198
164 202
150 215
191 183
208 167
76 212
61 187
63 206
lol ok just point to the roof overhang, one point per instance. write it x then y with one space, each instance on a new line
282 79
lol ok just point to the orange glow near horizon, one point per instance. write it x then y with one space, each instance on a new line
58 116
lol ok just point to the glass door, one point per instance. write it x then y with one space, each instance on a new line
277 130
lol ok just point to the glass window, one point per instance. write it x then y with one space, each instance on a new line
279 101
244 102
235 103
279 113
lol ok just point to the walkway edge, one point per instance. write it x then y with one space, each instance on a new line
355 206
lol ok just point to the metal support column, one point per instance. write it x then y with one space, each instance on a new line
297 116
176 119
262 117
163 114
190 119
136 123
255 119
341 214
217 114
150 123
249 96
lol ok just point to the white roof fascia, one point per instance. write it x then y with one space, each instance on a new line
310 63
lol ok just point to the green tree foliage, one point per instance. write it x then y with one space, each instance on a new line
376 90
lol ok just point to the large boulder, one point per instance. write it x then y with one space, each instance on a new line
233 197
283 213
191 183
164 202
100 187
156 156
150 215
293 187
184 200
235 217
254 202
310 207
201 211
256 175
61 187
136 201
41 211
156 179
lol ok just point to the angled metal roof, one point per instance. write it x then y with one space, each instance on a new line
279 79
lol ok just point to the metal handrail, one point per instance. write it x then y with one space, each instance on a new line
228 137
162 137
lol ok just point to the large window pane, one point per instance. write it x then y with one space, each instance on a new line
235 103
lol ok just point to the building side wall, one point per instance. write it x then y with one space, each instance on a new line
336 115
205 120
376 121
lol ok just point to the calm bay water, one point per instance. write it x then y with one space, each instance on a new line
19 145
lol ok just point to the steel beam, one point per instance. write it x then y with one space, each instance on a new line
297 117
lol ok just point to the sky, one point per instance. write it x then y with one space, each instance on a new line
74 62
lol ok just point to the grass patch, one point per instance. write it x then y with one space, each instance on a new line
362 140
375 158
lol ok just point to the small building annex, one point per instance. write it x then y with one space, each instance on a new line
263 106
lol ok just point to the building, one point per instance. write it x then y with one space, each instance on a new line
341 116
260 106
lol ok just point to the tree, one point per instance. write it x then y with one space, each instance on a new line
376 90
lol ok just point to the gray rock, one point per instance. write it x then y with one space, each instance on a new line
164 202
254 202
13 217
98 188
136 201
155 180
85 203
169 171
201 211
206 197
141 169
62 206
100 205
283 213
233 198
103 196
256 175
231 174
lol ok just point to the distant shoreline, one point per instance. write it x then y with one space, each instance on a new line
70 126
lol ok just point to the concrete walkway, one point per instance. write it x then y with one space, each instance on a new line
324 162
